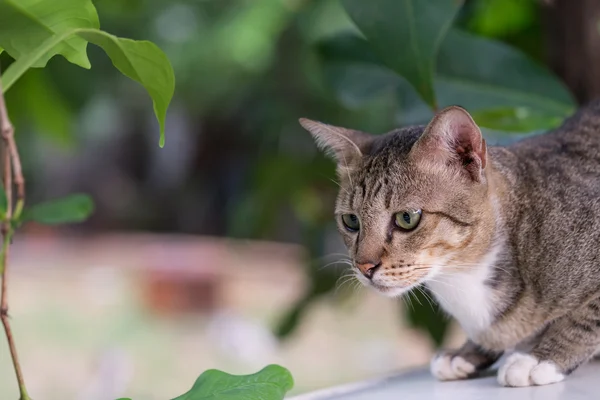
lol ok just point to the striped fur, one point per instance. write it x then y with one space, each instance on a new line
507 242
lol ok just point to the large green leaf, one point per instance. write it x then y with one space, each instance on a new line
503 88
406 34
270 383
516 119
27 23
481 73
73 208
356 84
141 61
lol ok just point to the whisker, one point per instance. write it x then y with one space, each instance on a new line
409 302
340 285
345 255
324 257
416 298
458 267
442 297
403 298
357 287
424 293
340 186
445 283
349 274
337 262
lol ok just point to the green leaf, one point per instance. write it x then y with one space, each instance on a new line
27 23
494 81
406 35
293 317
481 73
502 18
270 383
357 84
515 119
141 61
70 209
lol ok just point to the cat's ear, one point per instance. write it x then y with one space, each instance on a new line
454 139
346 146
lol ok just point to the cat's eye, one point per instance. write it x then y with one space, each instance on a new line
408 219
351 222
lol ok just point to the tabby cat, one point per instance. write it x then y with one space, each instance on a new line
506 238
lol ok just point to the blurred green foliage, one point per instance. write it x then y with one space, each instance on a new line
248 69
410 55
70 209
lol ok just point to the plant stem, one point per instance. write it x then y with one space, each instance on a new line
11 159
17 172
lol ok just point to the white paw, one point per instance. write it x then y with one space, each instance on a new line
525 370
447 368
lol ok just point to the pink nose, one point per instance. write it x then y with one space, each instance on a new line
368 268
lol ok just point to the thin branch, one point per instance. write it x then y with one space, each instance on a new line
18 178
11 159
7 132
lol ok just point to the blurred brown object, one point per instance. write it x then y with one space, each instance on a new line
172 291
174 273
573 45
180 274
180 277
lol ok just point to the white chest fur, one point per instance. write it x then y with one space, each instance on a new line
465 295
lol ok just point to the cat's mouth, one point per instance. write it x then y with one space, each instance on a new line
393 282
392 287
375 285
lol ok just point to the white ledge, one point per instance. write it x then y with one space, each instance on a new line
583 384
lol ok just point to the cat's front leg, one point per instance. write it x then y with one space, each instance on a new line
462 363
565 345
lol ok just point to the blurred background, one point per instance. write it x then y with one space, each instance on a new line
220 250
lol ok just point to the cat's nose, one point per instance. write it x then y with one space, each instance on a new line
368 268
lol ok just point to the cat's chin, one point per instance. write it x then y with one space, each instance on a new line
390 291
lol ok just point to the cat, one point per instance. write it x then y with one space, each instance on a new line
506 238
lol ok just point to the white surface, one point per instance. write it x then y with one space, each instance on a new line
583 384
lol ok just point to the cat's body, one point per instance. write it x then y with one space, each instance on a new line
506 238
552 223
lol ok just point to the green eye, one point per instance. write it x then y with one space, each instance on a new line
408 219
351 222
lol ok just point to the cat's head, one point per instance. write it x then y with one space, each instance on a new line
413 203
